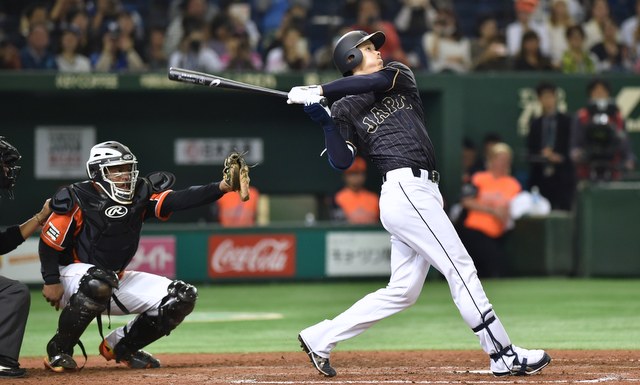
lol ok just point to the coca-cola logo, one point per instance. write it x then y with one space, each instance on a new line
252 255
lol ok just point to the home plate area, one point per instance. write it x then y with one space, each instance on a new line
361 367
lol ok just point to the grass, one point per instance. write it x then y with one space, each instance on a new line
540 313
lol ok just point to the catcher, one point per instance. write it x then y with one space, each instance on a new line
91 237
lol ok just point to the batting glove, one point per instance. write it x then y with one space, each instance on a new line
299 95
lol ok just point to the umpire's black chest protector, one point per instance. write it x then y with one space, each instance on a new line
110 231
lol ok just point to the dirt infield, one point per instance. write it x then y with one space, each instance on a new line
410 367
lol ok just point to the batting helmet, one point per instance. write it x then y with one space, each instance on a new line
347 56
105 155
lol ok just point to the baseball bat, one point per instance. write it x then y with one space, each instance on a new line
204 79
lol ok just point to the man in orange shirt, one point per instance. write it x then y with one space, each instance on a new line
487 199
233 212
358 205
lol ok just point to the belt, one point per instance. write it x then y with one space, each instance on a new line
430 175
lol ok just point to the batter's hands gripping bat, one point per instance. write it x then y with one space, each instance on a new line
204 79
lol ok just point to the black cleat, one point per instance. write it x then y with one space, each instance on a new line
12 372
320 363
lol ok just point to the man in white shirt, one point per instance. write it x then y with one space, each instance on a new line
523 23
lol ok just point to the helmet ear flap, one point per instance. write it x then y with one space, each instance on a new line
353 58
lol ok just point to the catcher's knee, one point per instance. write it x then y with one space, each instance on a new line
94 290
177 304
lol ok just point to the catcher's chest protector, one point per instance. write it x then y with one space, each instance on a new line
110 231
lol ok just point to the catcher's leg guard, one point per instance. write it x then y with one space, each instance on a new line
151 325
91 299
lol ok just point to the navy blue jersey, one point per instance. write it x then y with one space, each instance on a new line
388 127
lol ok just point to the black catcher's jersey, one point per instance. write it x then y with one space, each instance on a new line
388 127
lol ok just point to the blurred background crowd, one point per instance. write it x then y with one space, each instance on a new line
274 36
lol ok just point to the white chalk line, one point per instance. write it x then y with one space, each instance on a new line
609 378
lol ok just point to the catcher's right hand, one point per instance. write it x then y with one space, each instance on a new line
236 174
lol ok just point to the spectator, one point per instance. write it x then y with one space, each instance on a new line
611 56
240 56
600 144
80 21
530 57
63 8
9 55
117 54
488 141
559 20
523 23
576 60
369 19
355 203
447 50
220 32
104 15
131 28
292 54
238 13
69 60
630 33
192 12
195 55
414 18
487 199
594 27
231 211
488 50
35 55
548 145
294 17
35 13
155 56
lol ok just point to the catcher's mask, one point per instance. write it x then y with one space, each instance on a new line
347 56
114 168
9 157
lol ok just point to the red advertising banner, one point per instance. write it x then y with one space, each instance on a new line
256 255
156 255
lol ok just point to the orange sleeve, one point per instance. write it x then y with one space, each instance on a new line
159 199
56 230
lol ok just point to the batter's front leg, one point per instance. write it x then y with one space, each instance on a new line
408 272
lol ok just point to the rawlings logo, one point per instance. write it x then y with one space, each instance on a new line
214 83
116 211
252 256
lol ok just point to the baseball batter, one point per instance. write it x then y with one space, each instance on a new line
378 111
91 237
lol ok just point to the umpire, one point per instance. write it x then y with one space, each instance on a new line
14 295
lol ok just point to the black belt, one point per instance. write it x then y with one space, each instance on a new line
432 175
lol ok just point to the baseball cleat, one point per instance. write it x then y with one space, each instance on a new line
12 371
60 363
516 361
136 360
320 363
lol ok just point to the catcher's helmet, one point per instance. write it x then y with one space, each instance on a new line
118 185
9 157
347 56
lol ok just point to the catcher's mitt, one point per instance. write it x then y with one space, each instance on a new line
236 174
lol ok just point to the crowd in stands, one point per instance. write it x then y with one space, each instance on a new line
275 36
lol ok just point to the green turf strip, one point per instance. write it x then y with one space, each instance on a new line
538 313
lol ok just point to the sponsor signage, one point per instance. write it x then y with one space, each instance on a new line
23 263
357 253
61 151
155 255
252 255
213 151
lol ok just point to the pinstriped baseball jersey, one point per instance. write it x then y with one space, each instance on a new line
388 127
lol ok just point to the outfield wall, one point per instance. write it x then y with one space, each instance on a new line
597 242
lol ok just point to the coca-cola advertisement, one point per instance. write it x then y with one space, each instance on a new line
256 255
